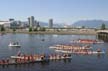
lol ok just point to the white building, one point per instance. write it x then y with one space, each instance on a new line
10 24
5 23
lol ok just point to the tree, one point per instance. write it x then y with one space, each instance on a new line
2 28
83 27
35 29
103 27
30 29
14 30
42 29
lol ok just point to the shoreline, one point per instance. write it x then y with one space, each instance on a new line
54 32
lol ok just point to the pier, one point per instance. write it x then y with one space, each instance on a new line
102 34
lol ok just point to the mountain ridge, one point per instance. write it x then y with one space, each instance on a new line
90 23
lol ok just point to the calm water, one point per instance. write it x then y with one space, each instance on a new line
33 44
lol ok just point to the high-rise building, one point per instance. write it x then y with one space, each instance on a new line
35 23
31 21
38 25
50 23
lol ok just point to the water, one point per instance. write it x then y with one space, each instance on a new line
34 44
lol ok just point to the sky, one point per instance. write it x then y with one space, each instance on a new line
61 11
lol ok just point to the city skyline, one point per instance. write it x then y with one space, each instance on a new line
62 11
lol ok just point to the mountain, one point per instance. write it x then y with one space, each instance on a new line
90 23
43 23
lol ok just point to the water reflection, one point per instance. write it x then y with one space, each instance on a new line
100 56
14 48
67 60
4 66
29 65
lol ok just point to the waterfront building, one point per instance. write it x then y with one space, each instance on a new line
31 21
50 23
11 23
37 24
5 24
24 24
14 24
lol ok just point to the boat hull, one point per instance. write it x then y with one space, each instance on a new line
34 60
90 52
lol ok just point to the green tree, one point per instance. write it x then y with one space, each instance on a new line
35 29
30 29
2 28
42 29
14 30
103 26
83 27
